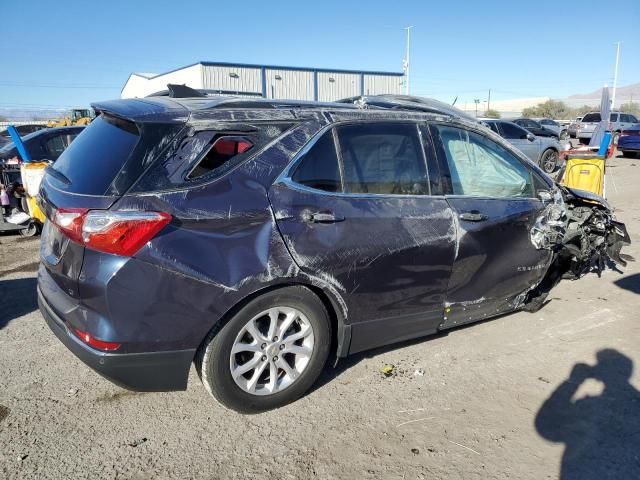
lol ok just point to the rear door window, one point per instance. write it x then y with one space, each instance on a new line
318 167
383 158
613 117
480 167
96 156
513 132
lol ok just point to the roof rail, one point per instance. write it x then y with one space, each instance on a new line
406 102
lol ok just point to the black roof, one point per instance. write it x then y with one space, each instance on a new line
165 108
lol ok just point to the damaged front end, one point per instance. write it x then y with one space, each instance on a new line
580 228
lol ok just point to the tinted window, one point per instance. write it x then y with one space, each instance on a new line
480 167
591 117
512 131
318 167
613 117
96 156
493 126
633 119
54 146
383 158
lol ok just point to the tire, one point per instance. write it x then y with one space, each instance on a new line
629 154
615 138
564 135
30 231
253 391
549 160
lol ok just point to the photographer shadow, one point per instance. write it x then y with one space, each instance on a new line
601 433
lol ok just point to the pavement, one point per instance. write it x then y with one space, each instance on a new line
529 396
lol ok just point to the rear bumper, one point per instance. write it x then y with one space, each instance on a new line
145 372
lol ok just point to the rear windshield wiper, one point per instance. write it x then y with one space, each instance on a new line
58 175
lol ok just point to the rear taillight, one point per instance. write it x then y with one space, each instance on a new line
117 232
94 342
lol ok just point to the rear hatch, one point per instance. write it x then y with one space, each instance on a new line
92 173
589 122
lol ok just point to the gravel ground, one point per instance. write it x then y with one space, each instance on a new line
458 405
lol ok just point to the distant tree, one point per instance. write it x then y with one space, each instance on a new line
3 118
630 107
550 109
492 114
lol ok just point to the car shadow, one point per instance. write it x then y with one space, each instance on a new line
17 298
601 433
631 283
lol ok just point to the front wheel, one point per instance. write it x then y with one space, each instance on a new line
549 161
270 352
615 138
628 154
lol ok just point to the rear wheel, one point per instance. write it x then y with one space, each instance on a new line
30 231
549 160
269 353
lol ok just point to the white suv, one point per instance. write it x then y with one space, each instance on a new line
618 121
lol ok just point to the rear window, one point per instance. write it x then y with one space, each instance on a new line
591 117
96 156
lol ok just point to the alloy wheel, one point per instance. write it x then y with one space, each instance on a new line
271 351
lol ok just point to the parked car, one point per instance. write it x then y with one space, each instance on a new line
252 237
46 144
629 141
22 131
572 129
535 128
555 127
618 121
544 151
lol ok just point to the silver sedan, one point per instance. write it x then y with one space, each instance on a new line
545 151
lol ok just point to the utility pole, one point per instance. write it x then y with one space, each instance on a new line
615 77
405 63
489 100
476 101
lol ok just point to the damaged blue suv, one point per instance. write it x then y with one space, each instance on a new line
254 238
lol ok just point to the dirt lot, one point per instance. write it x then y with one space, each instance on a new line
460 405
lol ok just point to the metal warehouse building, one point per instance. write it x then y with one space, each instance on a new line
268 81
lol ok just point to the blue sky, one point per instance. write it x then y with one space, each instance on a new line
72 53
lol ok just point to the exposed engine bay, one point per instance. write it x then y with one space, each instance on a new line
581 230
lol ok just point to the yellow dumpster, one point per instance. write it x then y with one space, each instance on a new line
585 172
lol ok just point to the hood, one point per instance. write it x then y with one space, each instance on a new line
589 197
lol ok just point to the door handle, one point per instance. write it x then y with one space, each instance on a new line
473 216
321 217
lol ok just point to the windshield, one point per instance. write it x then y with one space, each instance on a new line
95 157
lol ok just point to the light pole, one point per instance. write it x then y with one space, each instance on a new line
615 76
405 62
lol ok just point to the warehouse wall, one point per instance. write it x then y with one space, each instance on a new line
378 84
289 84
138 86
232 79
273 82
334 86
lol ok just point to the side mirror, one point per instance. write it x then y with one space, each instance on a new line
531 137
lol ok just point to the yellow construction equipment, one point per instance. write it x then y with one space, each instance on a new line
77 116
